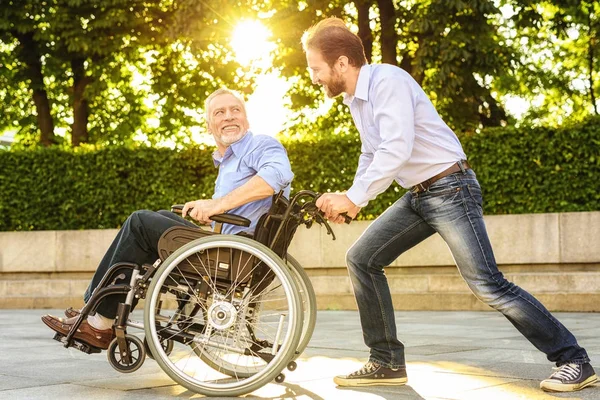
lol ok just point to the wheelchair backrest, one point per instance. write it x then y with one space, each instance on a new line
276 220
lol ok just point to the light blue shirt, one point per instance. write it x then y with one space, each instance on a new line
252 155
403 137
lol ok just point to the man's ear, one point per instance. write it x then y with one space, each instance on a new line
342 63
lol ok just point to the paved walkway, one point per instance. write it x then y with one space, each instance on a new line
450 355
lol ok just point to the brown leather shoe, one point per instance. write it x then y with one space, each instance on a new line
71 312
85 333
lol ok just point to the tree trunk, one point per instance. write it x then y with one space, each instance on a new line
389 39
497 113
364 31
79 132
407 62
591 57
29 54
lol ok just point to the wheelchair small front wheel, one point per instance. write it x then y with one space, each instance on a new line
123 362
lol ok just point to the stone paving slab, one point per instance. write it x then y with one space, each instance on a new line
450 356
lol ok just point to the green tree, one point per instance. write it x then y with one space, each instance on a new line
560 62
451 47
23 51
110 66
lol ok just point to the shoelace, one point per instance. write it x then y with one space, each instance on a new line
366 369
567 371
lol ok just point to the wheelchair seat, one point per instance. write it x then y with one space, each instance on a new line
228 266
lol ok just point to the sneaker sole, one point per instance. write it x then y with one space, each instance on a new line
561 387
370 382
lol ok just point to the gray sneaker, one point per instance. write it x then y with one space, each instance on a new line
570 377
372 374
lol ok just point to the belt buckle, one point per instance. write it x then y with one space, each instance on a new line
418 188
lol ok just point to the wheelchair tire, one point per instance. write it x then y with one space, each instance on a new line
309 316
309 303
206 314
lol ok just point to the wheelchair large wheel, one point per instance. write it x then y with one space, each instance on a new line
229 299
220 360
309 302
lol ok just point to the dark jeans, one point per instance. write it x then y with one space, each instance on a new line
452 207
137 243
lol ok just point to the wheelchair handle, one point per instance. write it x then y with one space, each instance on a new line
232 219
347 219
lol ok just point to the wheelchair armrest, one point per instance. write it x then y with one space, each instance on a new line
232 219
225 218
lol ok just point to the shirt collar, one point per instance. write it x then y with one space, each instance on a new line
362 86
237 149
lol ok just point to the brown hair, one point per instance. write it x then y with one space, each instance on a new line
332 38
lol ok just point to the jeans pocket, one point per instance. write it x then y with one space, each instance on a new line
476 195
446 186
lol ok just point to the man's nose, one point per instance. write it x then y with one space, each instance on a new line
228 114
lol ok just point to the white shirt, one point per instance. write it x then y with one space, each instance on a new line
403 137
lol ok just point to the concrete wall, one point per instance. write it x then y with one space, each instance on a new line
554 256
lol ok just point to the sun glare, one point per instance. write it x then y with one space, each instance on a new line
266 106
251 44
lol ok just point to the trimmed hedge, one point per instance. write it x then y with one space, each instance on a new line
521 170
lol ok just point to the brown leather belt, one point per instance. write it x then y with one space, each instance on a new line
458 166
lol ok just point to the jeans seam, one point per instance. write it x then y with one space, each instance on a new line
487 265
387 329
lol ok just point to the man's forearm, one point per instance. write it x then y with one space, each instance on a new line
255 189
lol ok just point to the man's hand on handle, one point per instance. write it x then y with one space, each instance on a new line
334 204
202 210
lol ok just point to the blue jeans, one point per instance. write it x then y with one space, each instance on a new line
136 242
452 207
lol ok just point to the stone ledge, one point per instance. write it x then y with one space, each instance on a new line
335 293
538 282
571 302
517 239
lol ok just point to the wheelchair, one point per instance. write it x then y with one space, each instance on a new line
223 315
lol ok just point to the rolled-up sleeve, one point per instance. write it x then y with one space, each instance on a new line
271 162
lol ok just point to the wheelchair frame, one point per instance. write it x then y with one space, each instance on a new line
223 322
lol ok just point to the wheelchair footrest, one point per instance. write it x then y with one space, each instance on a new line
86 348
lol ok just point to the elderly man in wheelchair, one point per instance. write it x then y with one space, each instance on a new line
224 311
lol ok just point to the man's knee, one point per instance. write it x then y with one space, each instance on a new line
142 216
356 257
495 292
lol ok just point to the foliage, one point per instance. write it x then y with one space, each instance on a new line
538 169
451 47
110 70
524 170
65 189
557 71
119 72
